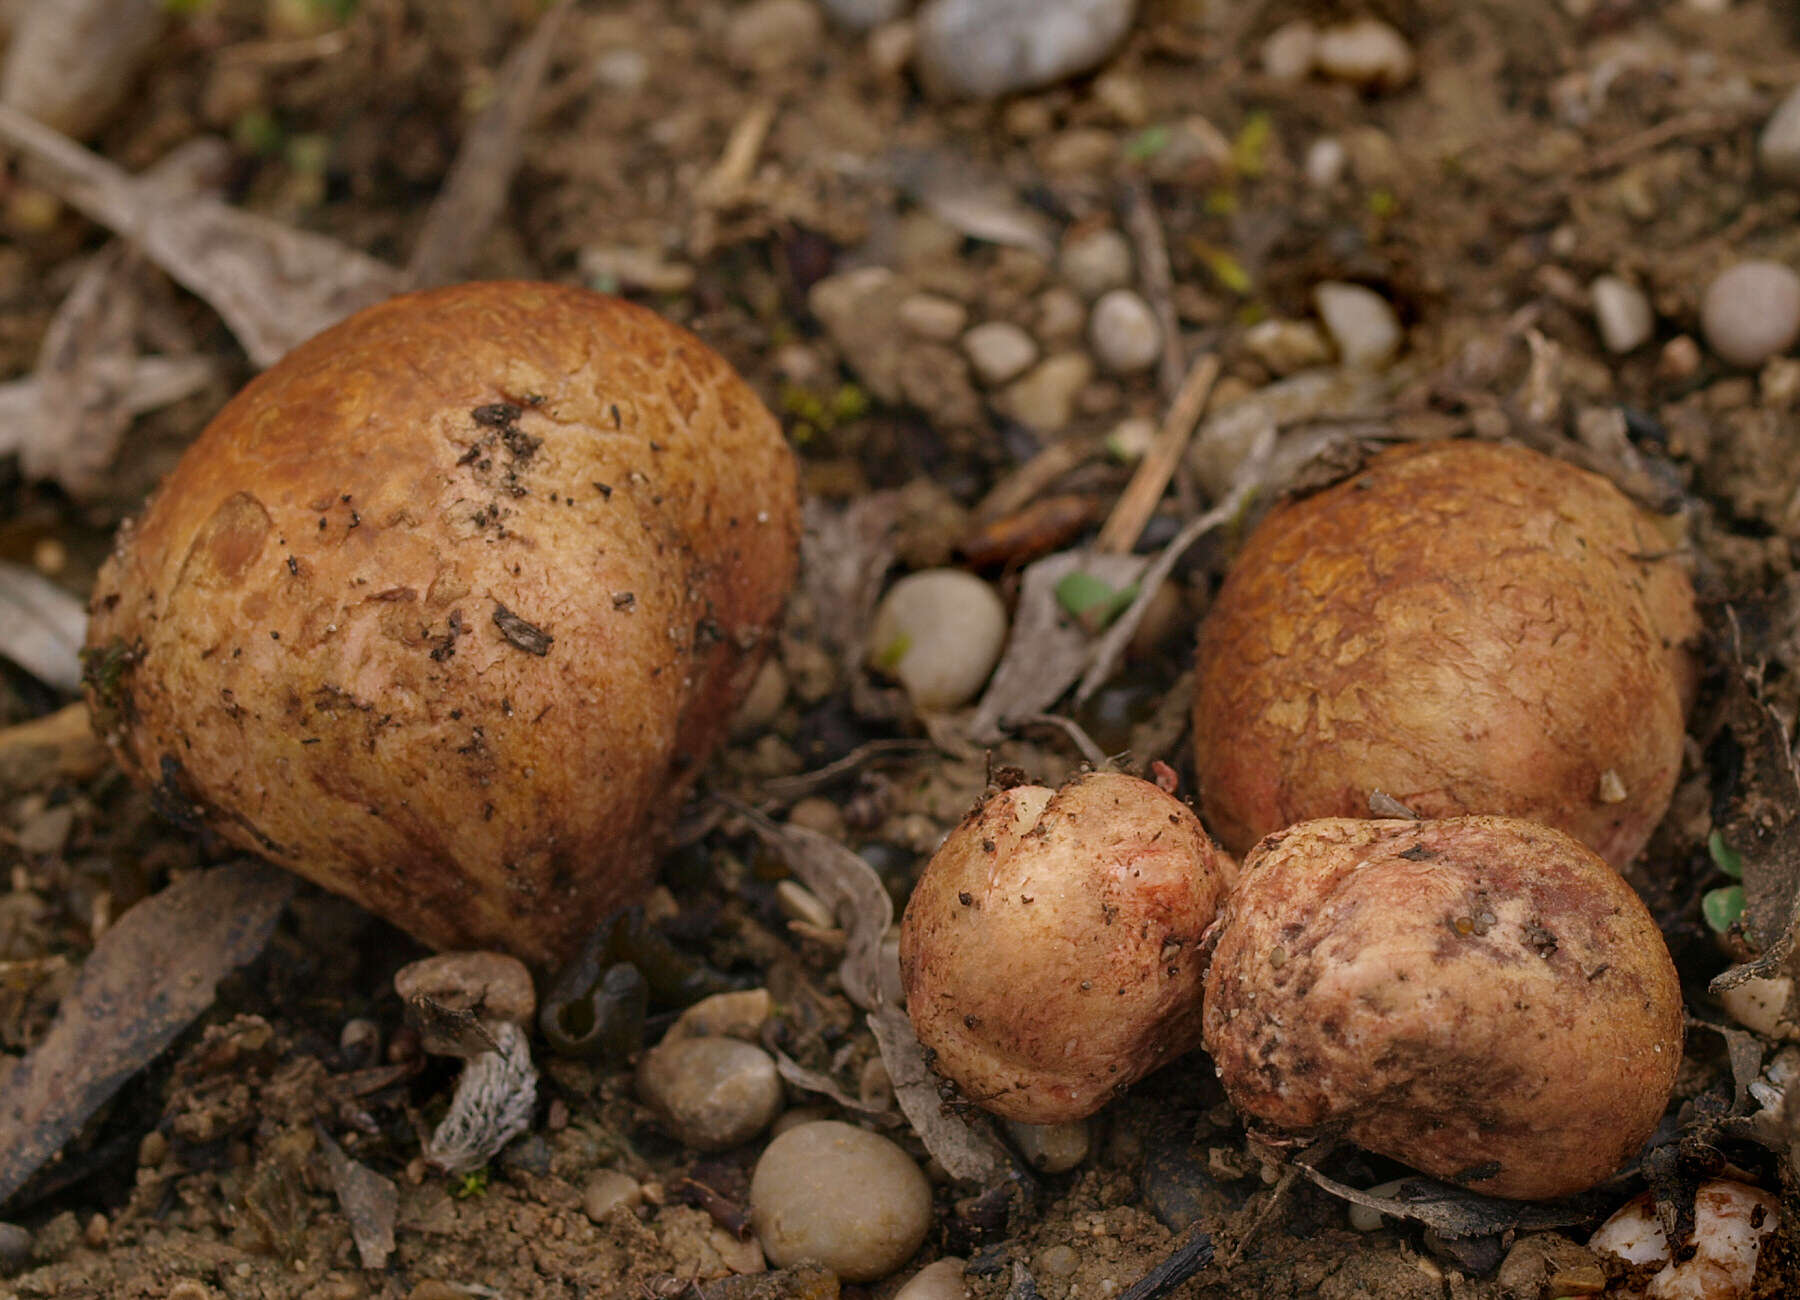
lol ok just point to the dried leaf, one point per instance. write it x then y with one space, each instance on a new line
149 976
369 1201
70 62
1763 823
1047 648
824 1085
1457 1212
475 191
961 195
272 284
844 554
964 1150
41 626
153 382
848 886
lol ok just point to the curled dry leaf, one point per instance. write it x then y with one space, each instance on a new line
369 1201
272 284
1762 824
41 626
1457 1212
149 976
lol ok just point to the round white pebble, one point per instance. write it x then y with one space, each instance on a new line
1622 313
1325 161
1361 323
841 1197
941 1280
1123 332
1751 312
998 351
1366 52
939 632
713 1093
1289 52
1093 261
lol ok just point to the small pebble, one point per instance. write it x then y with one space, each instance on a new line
1058 1261
623 71
1059 315
1761 1005
1679 360
15 1248
1366 1218
939 633
939 1280
1124 333
890 47
1091 261
1548 1264
1778 147
1325 161
999 351
607 1190
768 692
1623 314
842 1197
741 1013
1051 1148
1290 51
713 1093
933 316
1043 399
767 35
1124 96
1779 383
1366 52
1285 346
1751 312
861 15
1130 438
1361 323
983 49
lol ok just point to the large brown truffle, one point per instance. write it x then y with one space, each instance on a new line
1480 997
1465 626
446 609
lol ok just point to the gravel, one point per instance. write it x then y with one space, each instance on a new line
839 1196
1751 312
1124 333
1361 323
939 632
1622 313
982 49
712 1093
1095 260
1044 398
999 351
1367 53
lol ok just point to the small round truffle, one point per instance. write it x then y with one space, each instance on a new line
447 608
1480 997
1464 626
1050 952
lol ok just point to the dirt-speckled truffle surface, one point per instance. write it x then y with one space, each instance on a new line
1465 626
1480 997
446 609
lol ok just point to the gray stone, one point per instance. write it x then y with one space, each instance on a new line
842 1197
1044 398
712 1093
1094 261
1622 314
982 49
15 1249
1360 321
1124 333
1751 312
999 351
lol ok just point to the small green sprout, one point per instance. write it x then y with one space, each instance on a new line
470 1185
1725 858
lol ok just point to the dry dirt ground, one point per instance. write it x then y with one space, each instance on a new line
1543 143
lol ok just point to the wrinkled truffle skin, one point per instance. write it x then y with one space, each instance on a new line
1480 997
1468 627
1050 952
445 610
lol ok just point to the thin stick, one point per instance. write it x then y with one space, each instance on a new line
1145 229
1024 484
1138 501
